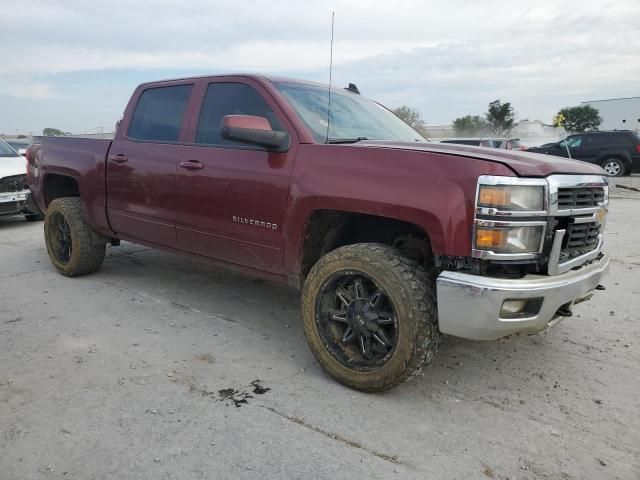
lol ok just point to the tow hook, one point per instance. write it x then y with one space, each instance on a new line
565 310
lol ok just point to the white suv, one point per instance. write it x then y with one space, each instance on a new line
14 195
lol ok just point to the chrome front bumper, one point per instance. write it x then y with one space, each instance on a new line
469 306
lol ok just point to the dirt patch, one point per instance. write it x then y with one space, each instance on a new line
205 357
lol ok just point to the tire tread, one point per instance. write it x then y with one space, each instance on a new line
87 256
418 291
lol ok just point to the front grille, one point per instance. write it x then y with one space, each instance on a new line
580 197
580 238
16 183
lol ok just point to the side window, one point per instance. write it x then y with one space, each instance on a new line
620 140
230 99
574 141
159 112
597 140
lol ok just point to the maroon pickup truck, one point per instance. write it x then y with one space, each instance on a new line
392 240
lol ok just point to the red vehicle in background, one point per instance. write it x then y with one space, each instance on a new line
393 240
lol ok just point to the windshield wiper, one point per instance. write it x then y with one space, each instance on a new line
346 140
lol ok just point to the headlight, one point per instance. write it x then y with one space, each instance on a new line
509 239
511 197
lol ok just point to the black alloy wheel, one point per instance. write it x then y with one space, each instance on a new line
62 244
357 321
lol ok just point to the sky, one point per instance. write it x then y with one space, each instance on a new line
72 64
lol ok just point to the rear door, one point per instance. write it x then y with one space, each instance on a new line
141 168
231 197
593 146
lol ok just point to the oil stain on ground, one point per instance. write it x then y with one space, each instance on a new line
237 397
241 397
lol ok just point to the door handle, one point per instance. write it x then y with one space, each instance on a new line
119 158
192 165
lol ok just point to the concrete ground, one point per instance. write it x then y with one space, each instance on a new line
157 367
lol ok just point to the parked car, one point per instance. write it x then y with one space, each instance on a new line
506 143
617 151
15 197
393 241
19 145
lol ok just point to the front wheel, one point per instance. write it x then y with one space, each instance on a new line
370 316
72 246
614 167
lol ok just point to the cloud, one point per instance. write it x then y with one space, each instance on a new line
34 91
446 58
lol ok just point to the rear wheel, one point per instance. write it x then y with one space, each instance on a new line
614 167
72 246
370 316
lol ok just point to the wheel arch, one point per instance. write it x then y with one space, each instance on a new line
325 229
56 185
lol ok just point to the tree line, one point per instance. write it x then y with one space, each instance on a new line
500 118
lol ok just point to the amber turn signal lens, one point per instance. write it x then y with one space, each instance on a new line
490 238
494 197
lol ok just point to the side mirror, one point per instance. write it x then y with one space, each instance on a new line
254 130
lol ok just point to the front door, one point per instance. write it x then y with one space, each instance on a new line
232 198
573 143
141 168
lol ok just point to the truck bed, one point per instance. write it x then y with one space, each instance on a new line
83 159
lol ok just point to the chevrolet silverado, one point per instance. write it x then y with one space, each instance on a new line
392 240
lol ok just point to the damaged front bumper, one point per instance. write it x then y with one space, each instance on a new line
476 307
12 203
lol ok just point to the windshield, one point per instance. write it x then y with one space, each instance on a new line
353 117
7 151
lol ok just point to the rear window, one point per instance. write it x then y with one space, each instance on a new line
159 113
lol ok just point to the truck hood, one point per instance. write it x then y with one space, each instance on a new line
10 166
524 164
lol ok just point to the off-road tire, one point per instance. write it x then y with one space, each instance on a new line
88 250
613 162
412 289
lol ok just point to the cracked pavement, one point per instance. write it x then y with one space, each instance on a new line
159 367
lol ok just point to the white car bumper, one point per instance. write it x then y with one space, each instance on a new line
13 202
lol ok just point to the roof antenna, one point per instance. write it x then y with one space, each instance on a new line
330 78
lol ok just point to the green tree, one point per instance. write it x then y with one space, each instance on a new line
52 132
469 126
500 117
411 117
579 119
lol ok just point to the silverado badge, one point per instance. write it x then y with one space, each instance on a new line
255 222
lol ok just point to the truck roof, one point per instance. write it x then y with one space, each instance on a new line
254 76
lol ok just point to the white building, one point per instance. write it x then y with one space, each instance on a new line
618 113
